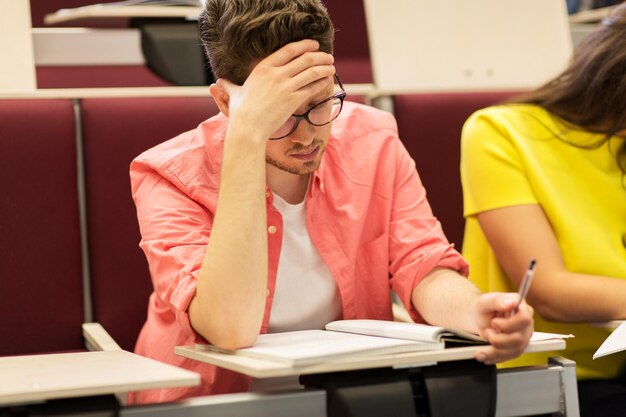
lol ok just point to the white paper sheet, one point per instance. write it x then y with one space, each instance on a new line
616 342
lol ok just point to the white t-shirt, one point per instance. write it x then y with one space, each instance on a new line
306 295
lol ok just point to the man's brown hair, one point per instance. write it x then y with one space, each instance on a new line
236 34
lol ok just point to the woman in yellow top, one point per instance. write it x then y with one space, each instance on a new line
544 177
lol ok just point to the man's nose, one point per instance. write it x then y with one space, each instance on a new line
304 133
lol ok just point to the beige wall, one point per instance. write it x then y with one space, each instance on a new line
17 71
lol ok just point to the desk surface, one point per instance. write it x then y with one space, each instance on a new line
135 92
192 12
33 378
104 10
260 368
591 16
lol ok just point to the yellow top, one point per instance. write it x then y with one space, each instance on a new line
511 155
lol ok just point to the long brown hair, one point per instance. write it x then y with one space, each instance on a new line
591 93
237 33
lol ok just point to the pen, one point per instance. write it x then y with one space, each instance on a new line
525 285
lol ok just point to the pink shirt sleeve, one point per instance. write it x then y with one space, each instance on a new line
175 231
417 242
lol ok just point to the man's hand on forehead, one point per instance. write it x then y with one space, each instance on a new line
299 56
279 85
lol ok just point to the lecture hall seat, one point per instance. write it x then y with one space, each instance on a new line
41 287
115 131
98 76
430 127
352 56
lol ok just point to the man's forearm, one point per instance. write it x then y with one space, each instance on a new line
230 299
444 298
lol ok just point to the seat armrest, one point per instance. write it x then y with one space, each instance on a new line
96 338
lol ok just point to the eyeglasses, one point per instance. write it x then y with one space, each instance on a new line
319 115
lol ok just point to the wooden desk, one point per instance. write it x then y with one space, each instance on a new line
107 11
36 378
547 389
367 90
591 16
259 368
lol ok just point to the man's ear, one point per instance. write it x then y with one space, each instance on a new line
221 97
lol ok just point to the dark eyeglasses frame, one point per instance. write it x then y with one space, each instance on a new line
305 116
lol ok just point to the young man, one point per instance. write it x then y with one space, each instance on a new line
263 219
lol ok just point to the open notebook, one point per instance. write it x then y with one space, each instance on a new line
423 333
345 338
307 347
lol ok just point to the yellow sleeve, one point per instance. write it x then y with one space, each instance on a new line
493 169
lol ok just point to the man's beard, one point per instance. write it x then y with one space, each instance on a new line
301 168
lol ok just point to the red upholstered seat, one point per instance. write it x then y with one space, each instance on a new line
352 56
357 98
41 290
430 127
116 131
98 76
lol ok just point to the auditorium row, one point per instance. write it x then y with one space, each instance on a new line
70 236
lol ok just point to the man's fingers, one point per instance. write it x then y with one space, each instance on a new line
506 340
490 355
291 51
504 345
314 80
308 60
301 62
307 69
498 302
518 322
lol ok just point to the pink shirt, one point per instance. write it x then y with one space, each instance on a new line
367 214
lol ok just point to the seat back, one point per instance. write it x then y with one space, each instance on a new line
352 56
430 128
41 289
97 76
460 45
116 131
